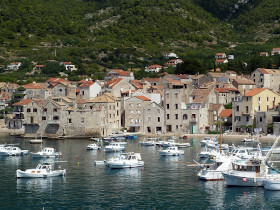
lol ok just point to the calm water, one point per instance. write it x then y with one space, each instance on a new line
164 183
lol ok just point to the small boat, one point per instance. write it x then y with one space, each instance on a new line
96 139
182 145
169 143
93 147
46 152
147 143
272 183
114 147
171 151
249 140
43 170
129 160
131 137
36 141
208 140
12 151
61 137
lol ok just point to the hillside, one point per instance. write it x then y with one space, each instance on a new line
132 33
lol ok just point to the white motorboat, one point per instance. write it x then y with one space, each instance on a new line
36 141
12 151
129 160
182 145
207 140
41 171
93 147
214 172
147 143
114 147
249 140
171 151
46 152
96 139
169 143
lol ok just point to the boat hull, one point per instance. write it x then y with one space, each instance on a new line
210 175
114 149
125 165
234 180
36 155
166 153
36 174
271 184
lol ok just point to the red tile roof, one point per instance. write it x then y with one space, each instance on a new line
220 61
263 71
67 63
113 82
22 102
34 86
255 91
154 66
86 84
136 84
226 113
217 70
220 54
56 80
221 90
144 98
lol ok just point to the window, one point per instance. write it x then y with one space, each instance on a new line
69 120
83 93
55 110
259 108
60 90
237 108
158 111
261 80
131 111
250 87
44 118
28 110
55 118
158 119
138 112
267 107
69 112
177 126
131 105
167 116
247 118
259 98
82 120
34 110
167 106
90 107
176 116
131 120
267 98
117 112
260 119
45 110
247 109
185 117
176 95
139 105
247 98
176 106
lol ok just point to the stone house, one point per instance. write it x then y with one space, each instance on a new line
220 56
134 113
226 117
32 90
275 51
265 54
265 119
199 80
213 114
153 117
243 85
245 107
221 61
119 73
223 95
19 112
68 66
267 78
153 68
111 106
214 76
13 66
117 86
88 89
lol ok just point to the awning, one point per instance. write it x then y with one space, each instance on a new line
133 125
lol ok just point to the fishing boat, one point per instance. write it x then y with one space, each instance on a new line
93 147
171 151
46 152
96 139
169 143
114 147
43 170
12 151
129 160
147 143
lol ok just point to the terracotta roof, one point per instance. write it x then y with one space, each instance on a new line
152 79
220 54
220 61
226 113
217 70
263 53
40 65
200 95
132 91
113 82
86 84
34 86
276 49
232 72
255 91
231 89
136 83
154 66
22 102
214 107
244 81
56 80
80 101
221 90
67 63
144 98
262 70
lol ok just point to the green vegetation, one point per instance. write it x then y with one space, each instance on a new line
99 35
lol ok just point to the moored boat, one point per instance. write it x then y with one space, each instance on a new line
271 183
129 160
171 151
114 147
46 152
93 147
12 151
41 171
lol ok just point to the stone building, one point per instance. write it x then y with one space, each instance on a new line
117 86
267 78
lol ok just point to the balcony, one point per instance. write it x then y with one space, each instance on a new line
54 122
18 111
193 120
246 113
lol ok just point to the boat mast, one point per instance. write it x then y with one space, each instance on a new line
220 137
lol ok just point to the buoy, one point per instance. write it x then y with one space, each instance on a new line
77 157
78 163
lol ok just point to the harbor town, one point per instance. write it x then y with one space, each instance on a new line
212 131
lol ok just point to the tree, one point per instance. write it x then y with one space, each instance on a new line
52 68
190 66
